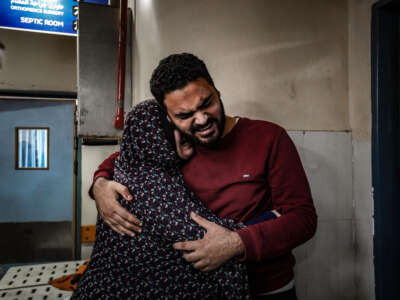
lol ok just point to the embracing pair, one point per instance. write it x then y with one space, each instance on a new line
221 200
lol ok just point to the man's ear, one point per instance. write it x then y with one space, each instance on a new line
169 119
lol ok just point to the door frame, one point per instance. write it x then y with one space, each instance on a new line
385 78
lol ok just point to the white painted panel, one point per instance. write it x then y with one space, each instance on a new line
92 156
327 159
363 200
325 265
363 214
364 264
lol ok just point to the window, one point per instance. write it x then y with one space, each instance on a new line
32 148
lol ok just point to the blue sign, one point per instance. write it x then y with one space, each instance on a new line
50 16
102 2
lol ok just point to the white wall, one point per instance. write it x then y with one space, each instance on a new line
304 65
285 62
92 156
325 265
38 61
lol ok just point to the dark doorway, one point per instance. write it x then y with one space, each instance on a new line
386 146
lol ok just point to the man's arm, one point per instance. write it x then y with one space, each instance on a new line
105 170
106 193
292 203
291 197
218 244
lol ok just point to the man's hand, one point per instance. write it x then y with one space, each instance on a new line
216 247
106 192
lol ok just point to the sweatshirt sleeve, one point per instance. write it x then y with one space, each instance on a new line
291 197
105 169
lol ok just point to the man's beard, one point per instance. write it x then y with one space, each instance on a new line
191 138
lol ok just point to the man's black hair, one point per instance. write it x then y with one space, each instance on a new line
175 72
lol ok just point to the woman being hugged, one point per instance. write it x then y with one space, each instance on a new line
147 266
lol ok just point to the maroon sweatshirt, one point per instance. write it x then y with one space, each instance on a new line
254 168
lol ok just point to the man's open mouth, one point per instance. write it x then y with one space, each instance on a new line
206 131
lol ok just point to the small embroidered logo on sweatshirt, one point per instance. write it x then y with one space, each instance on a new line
246 175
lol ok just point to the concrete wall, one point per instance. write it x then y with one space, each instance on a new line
285 61
326 157
38 61
304 65
325 265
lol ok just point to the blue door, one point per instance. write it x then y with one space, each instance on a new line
37 180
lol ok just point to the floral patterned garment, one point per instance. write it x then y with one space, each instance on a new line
147 267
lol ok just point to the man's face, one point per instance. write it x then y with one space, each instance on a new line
197 111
